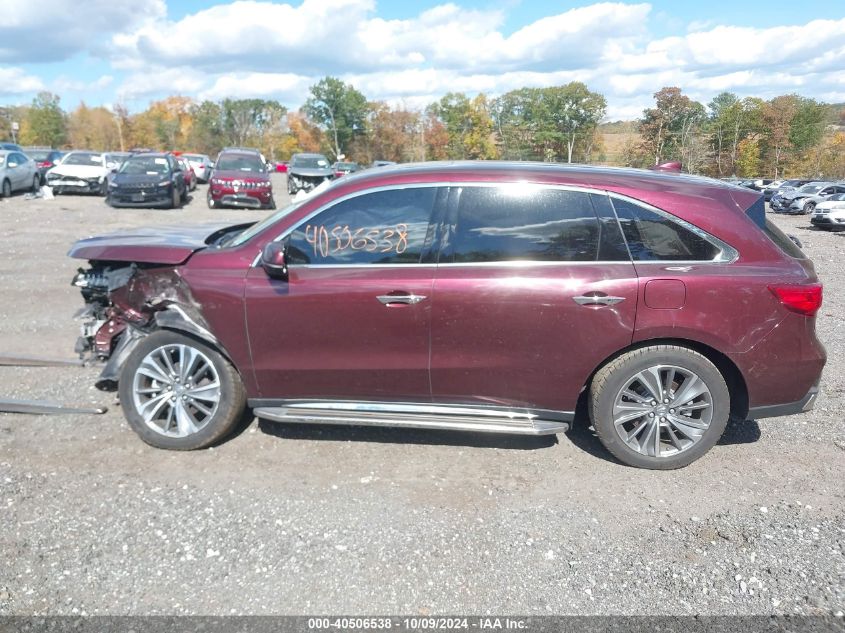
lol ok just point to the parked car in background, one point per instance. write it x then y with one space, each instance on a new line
240 179
785 185
18 172
782 202
830 213
79 172
806 203
342 168
306 171
281 167
12 147
148 180
201 164
666 303
44 159
188 171
114 160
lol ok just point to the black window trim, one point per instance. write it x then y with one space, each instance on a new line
726 253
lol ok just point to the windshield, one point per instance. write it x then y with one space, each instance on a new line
310 162
145 165
255 229
39 155
350 166
83 158
811 188
239 162
838 197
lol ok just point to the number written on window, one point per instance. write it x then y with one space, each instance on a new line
382 227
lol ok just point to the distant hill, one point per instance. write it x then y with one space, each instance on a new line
616 136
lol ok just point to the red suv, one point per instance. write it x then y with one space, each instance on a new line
475 296
240 178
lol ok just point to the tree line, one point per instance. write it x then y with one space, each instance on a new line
788 135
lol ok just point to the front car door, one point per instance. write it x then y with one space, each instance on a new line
352 321
534 288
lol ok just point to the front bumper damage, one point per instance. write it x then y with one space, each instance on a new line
123 305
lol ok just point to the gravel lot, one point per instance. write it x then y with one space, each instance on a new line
288 519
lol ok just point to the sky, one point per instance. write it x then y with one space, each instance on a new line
104 52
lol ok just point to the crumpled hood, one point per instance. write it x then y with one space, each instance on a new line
312 172
80 171
155 245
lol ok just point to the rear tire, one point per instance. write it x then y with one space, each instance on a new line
212 400
36 184
646 409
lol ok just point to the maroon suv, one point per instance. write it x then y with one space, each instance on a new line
240 179
474 296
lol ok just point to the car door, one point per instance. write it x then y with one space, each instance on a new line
352 320
18 174
534 288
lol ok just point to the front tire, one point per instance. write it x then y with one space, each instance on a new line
659 407
180 394
6 191
175 198
809 207
209 200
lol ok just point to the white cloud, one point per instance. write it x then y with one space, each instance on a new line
65 84
14 81
53 30
258 48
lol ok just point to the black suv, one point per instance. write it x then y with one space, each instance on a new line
148 180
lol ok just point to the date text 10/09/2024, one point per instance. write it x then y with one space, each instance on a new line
418 623
339 238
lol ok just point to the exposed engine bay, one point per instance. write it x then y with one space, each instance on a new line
126 302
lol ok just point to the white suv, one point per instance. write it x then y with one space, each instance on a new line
830 214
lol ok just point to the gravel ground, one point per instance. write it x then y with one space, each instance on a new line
287 519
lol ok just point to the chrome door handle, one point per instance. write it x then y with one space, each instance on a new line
407 299
597 300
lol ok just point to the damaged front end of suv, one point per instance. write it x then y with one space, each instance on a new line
123 304
131 291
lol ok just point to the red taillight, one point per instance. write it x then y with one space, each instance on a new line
46 163
801 299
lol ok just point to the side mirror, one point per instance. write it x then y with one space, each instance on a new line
273 260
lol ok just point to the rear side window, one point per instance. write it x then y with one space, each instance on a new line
652 236
515 223
382 227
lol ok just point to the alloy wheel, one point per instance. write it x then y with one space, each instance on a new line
663 410
176 390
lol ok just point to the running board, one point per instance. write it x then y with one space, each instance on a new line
415 416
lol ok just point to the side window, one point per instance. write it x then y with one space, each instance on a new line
17 158
497 224
653 236
382 227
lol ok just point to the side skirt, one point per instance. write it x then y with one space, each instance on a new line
415 415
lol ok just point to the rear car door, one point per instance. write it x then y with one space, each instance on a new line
353 319
534 288
20 175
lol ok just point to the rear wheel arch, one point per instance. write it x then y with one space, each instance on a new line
730 372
